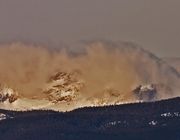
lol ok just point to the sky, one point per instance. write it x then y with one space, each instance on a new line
154 24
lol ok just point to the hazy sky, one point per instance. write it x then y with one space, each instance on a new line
154 24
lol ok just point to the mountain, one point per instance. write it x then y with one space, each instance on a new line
175 62
63 92
153 120
102 73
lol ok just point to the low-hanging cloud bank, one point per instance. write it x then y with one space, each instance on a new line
120 65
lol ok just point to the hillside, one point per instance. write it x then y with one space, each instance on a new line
155 120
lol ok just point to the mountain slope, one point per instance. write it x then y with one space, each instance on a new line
155 120
174 62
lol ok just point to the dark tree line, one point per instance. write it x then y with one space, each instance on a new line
130 121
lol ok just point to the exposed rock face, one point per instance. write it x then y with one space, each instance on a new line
152 92
8 94
63 87
66 87
146 92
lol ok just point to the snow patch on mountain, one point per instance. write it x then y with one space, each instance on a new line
2 116
63 87
8 94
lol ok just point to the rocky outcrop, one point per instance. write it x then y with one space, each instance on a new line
8 94
63 87
152 92
146 92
